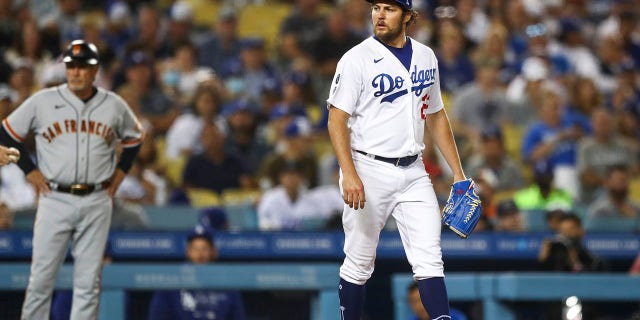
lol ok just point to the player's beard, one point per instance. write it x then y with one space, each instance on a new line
390 34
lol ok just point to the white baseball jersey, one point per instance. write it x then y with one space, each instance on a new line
383 105
76 141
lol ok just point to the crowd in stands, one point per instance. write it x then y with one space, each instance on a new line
544 99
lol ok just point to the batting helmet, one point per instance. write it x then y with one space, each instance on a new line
81 51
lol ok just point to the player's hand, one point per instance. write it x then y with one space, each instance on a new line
7 155
116 180
39 182
353 191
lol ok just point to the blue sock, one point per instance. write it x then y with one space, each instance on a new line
433 294
351 300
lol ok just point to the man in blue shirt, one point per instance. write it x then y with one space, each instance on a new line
190 304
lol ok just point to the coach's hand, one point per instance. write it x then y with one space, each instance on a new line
39 182
353 191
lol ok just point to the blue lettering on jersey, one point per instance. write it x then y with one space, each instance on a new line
423 78
391 87
387 84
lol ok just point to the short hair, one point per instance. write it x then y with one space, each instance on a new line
570 216
617 168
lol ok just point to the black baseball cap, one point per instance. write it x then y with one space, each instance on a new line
405 4
82 52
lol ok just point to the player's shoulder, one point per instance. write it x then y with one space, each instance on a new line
357 52
421 47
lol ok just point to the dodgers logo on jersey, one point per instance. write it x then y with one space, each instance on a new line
392 87
387 84
422 79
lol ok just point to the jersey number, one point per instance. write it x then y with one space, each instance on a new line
425 105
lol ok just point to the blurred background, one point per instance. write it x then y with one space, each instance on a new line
543 95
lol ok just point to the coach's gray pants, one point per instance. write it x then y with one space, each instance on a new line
60 218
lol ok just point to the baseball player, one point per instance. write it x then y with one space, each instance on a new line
385 90
77 128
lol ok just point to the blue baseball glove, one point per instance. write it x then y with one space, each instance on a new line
463 208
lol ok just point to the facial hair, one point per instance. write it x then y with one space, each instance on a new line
392 32
619 195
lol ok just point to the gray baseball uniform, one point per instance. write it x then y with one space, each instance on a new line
76 152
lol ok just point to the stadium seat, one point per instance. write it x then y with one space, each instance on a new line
262 21
634 190
239 196
201 198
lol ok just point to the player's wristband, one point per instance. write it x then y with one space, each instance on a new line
25 163
127 157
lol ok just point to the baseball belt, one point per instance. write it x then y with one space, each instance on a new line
398 162
79 189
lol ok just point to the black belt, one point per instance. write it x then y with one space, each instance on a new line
79 189
398 162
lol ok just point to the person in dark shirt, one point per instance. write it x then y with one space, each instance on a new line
565 251
215 169
187 304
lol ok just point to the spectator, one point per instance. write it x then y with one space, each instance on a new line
213 218
296 147
419 313
135 188
554 140
565 251
553 217
526 89
614 201
22 80
6 106
455 68
509 218
493 158
282 207
541 195
495 48
325 201
181 75
197 303
153 103
183 137
148 32
6 217
302 26
223 45
332 43
243 139
63 21
179 28
214 168
597 153
245 77
480 104
486 184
